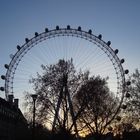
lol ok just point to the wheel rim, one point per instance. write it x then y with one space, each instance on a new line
76 34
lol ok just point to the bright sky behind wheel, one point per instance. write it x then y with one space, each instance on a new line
118 21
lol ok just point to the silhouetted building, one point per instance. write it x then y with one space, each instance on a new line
13 125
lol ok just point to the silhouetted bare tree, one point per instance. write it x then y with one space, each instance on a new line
130 119
133 103
135 92
98 105
56 88
70 101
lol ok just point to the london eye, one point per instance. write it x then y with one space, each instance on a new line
88 51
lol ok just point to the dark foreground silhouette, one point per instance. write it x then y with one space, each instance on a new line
42 133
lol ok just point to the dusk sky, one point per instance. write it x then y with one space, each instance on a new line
117 20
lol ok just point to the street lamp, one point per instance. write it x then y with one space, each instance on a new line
34 97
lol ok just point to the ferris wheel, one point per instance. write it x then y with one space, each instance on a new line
88 51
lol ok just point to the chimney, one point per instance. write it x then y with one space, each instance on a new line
16 103
10 98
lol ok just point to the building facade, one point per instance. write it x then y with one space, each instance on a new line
13 125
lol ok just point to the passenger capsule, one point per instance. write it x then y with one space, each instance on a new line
3 77
122 61
128 83
46 30
100 36
126 71
68 27
26 40
18 47
90 31
127 95
108 43
36 34
6 66
79 28
57 27
116 51
2 88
